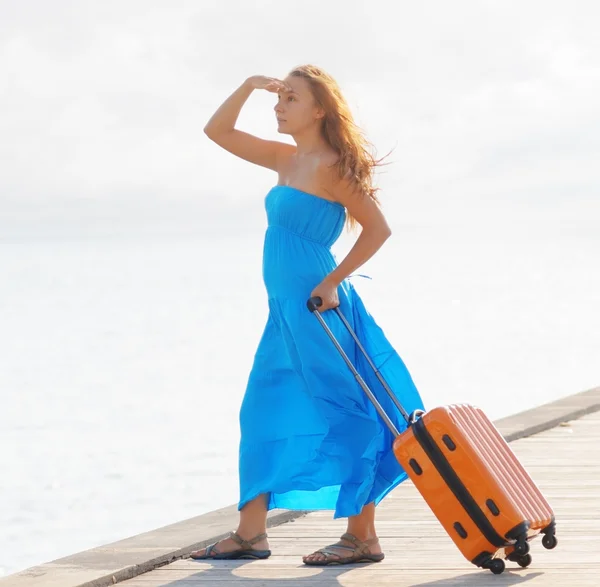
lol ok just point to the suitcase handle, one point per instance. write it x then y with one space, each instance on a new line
313 304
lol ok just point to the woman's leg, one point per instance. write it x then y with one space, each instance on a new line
362 527
253 521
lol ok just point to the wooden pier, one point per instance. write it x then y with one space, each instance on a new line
559 443
564 461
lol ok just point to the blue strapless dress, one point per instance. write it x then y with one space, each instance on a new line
310 438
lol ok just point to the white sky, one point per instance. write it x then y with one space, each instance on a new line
493 108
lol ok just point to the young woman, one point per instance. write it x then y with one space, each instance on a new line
310 439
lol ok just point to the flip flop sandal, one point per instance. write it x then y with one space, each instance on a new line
244 552
360 552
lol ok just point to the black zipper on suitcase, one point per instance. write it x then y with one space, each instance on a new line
457 487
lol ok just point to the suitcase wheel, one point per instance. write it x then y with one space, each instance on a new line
521 547
549 541
523 560
496 565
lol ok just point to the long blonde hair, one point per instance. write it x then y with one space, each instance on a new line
356 162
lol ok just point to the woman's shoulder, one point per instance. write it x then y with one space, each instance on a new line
327 167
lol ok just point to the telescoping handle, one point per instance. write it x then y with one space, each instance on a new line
313 304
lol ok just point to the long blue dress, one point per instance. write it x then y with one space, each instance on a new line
310 438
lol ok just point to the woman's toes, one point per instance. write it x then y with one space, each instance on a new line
200 552
314 557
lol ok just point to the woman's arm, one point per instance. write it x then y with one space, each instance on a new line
224 119
221 126
375 231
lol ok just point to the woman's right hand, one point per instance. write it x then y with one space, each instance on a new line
271 84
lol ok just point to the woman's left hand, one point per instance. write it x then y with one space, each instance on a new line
327 291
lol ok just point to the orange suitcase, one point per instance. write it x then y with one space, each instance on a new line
467 473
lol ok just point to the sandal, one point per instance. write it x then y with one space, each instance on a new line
245 551
360 553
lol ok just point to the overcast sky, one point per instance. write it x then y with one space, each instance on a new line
490 107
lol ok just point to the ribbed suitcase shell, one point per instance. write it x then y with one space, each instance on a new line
481 458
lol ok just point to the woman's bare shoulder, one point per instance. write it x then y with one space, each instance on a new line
327 168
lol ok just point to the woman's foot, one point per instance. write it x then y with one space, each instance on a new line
347 551
235 547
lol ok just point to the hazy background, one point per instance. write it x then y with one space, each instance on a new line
492 108
130 244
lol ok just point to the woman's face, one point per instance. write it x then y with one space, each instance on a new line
296 110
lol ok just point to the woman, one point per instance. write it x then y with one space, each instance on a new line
310 439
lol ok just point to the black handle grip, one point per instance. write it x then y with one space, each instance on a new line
314 303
